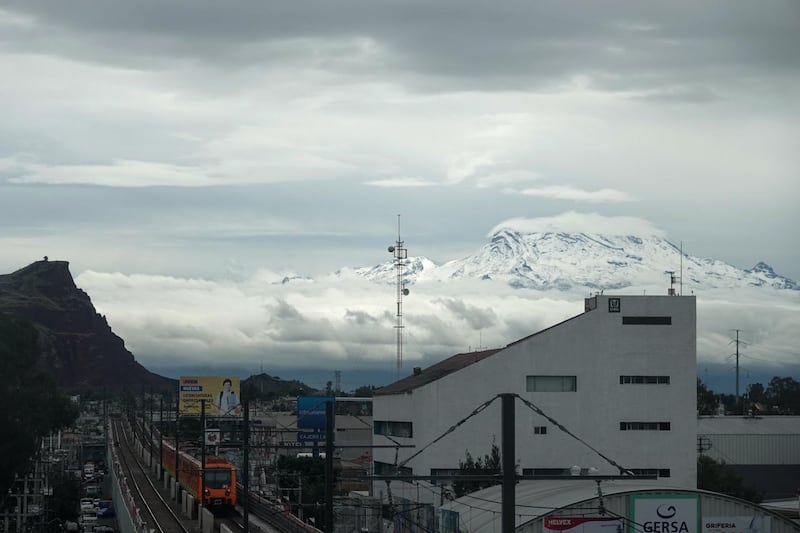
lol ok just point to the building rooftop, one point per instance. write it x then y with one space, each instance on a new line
482 509
432 373
451 364
748 425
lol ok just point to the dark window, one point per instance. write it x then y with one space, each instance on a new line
393 429
386 469
551 383
545 471
660 472
644 380
540 430
644 426
647 320
218 478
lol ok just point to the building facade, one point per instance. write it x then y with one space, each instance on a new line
621 377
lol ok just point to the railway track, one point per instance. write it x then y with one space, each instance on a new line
161 516
271 517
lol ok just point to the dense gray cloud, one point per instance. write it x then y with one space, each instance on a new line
226 326
468 44
224 151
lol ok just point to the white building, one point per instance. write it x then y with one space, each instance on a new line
621 377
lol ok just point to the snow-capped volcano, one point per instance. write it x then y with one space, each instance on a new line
562 261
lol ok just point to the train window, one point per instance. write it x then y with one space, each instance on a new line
218 478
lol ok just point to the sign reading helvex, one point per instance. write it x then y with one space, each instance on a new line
311 412
676 513
582 524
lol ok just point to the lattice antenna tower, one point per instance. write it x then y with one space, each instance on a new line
400 256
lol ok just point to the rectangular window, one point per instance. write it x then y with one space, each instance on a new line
443 472
644 380
647 320
551 384
540 430
644 426
392 429
545 471
387 469
660 472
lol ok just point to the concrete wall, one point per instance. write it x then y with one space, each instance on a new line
596 348
207 522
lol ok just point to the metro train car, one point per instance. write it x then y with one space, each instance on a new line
220 489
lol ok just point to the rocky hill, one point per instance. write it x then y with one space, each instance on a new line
78 347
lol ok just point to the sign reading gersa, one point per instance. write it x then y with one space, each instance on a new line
667 513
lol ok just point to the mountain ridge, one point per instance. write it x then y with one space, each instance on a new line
563 261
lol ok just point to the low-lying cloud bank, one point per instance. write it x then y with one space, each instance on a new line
276 322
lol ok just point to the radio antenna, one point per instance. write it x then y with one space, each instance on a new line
400 255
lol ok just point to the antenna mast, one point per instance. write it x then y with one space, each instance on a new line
400 255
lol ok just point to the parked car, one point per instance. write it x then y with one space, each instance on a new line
108 512
87 505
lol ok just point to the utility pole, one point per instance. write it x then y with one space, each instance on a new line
150 444
329 466
246 469
738 400
161 436
202 495
177 451
507 463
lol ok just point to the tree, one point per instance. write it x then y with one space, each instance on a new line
490 464
33 407
66 496
719 477
706 399
784 393
365 391
311 470
756 394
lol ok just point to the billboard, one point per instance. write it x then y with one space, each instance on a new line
676 513
220 393
311 412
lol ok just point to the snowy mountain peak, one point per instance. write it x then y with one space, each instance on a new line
549 260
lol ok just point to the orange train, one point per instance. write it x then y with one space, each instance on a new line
220 490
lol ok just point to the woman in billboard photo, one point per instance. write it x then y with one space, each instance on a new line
227 403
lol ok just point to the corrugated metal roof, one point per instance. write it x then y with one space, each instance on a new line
748 425
481 511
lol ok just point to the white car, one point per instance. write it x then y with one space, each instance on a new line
87 505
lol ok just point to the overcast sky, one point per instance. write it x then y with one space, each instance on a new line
208 142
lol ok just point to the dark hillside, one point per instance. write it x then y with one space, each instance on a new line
78 348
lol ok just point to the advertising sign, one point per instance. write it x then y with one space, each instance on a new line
583 524
220 393
311 412
310 436
213 437
736 524
664 514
